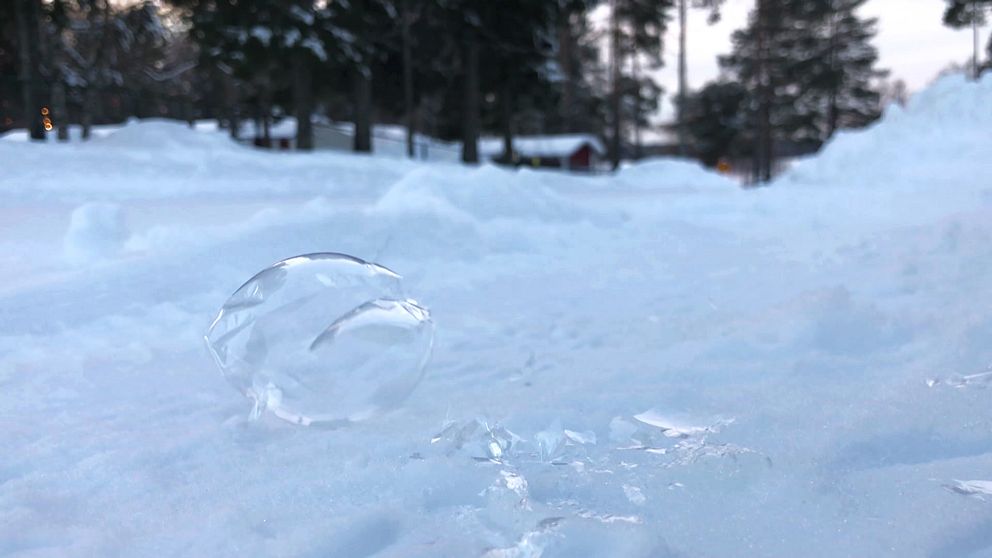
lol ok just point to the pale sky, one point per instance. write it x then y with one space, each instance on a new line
912 42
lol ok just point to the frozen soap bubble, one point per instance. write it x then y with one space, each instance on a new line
322 339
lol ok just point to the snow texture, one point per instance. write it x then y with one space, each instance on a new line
652 363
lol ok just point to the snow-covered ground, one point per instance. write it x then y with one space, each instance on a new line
656 363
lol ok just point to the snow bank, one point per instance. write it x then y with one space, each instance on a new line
75 134
487 192
948 122
671 172
167 137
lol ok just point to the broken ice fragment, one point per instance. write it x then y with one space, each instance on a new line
634 494
974 488
559 445
671 428
477 439
587 437
980 380
322 338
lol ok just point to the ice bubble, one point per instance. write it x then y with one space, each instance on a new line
322 339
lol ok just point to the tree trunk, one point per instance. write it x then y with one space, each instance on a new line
231 104
763 151
94 78
833 115
566 55
189 113
683 138
470 121
27 14
974 39
506 121
89 106
636 71
408 80
303 101
266 114
59 113
615 100
362 92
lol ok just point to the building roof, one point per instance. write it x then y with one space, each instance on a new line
562 145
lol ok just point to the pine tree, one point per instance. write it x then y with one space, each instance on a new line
714 8
809 68
715 121
582 86
970 13
839 77
763 60
28 14
637 29
490 54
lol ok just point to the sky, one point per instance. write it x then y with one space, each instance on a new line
912 41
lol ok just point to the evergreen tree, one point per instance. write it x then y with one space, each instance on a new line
637 29
763 61
490 50
839 76
583 81
970 13
28 15
10 86
714 8
715 121
809 68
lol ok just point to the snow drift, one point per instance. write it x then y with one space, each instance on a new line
948 122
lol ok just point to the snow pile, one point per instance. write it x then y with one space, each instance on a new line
96 231
948 122
485 193
166 137
670 172
75 134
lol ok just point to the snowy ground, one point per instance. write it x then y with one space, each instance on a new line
671 366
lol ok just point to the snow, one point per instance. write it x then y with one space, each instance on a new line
671 172
562 145
387 139
651 363
96 230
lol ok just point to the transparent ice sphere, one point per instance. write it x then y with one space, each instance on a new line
322 339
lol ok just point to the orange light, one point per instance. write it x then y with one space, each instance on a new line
44 111
48 126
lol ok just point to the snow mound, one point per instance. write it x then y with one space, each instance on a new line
96 231
484 193
166 136
949 122
671 172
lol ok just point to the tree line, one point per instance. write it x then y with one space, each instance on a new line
452 69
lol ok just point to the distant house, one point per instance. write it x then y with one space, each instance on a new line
566 151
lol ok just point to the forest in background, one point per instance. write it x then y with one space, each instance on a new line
453 69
